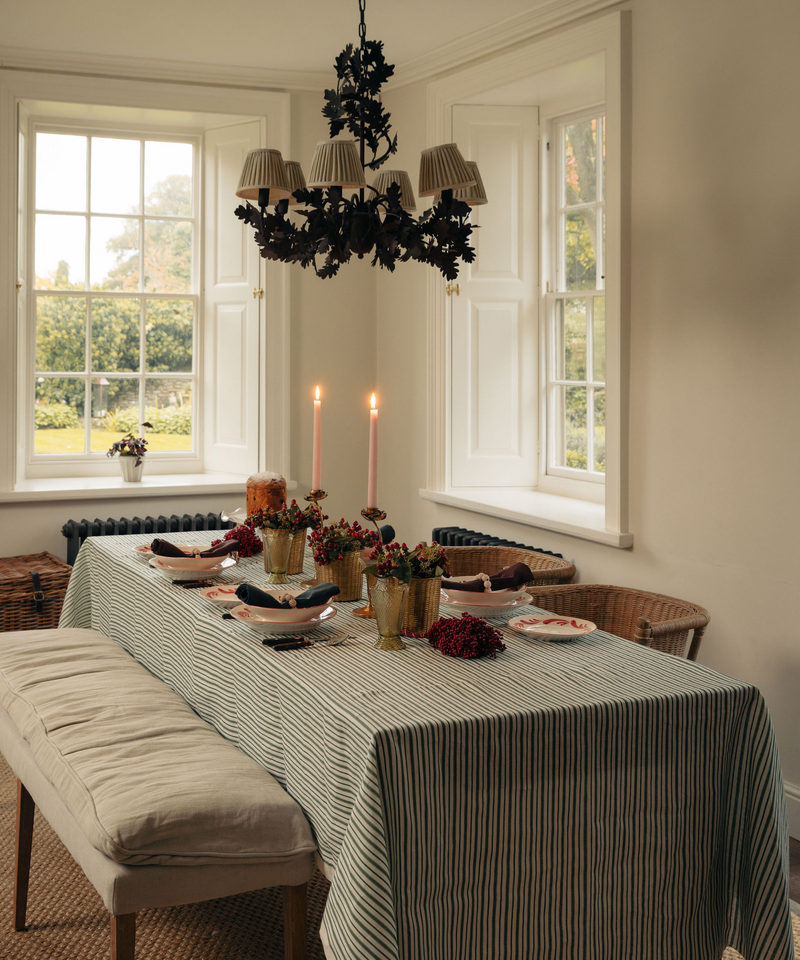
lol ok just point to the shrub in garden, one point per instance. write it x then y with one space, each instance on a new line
55 416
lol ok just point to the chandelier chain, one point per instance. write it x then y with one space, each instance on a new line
362 26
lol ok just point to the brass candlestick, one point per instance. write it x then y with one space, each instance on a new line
314 496
373 514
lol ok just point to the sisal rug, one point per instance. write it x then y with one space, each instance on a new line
67 919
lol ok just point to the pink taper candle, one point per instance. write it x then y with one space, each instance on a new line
372 483
316 460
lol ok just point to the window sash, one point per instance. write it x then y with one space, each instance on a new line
34 292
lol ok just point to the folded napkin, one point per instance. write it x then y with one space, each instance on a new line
387 533
514 576
314 597
163 548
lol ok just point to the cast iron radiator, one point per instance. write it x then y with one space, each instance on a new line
459 537
76 531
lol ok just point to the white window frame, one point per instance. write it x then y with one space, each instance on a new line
606 521
52 464
554 290
236 99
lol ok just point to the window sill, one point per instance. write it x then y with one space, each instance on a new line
108 488
576 518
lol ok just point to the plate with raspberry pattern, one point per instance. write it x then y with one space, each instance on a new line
550 626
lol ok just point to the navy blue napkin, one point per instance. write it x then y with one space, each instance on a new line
313 597
387 533
514 576
163 548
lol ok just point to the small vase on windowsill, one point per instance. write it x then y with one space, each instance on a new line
131 452
131 468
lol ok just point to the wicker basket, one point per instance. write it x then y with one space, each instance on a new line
19 599
297 553
346 574
491 560
422 604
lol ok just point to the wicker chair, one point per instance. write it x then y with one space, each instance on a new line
491 560
649 619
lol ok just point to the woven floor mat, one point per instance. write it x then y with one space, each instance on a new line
67 919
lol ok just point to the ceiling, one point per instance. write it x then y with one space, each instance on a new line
299 36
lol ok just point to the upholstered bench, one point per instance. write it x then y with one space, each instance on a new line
156 807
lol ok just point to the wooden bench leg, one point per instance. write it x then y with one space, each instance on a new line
22 860
123 936
295 908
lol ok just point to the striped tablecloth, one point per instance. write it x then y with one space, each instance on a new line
591 800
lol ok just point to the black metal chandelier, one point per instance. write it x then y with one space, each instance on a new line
378 218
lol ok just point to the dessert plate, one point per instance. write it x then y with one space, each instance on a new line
224 594
549 626
164 565
258 622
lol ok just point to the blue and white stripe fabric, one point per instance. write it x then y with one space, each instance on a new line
591 800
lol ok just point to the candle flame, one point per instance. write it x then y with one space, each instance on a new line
372 401
317 397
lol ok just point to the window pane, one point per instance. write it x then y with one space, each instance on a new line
115 335
168 406
580 149
600 431
167 256
168 178
168 332
114 254
60 172
570 412
115 175
599 338
58 415
61 334
60 255
574 339
580 237
115 411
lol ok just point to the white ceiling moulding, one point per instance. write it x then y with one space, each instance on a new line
543 17
169 71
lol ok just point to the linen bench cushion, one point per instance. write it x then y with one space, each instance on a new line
147 780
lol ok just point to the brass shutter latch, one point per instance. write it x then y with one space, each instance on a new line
453 288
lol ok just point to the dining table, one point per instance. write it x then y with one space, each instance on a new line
585 800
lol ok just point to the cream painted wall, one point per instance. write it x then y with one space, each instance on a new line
715 340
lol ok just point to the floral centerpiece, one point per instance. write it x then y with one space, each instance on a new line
420 571
337 551
283 530
129 447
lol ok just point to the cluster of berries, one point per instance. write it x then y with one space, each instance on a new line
249 542
333 541
465 636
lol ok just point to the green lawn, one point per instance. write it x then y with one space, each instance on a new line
70 440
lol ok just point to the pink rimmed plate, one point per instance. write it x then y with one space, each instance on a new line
549 626
254 619
224 594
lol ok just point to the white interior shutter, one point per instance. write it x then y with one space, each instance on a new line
231 314
493 321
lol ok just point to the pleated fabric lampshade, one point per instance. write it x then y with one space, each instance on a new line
263 170
443 168
473 196
387 177
336 164
295 178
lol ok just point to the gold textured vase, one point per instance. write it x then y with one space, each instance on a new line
277 547
388 600
422 604
345 573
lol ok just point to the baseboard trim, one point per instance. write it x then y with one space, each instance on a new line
793 808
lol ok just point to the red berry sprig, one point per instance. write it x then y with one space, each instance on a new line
465 636
249 542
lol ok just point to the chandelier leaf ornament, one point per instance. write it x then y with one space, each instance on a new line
377 219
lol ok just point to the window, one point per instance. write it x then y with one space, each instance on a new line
575 310
114 291
533 429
